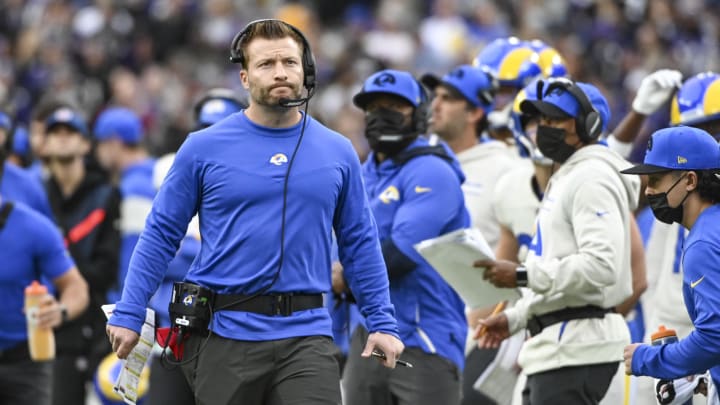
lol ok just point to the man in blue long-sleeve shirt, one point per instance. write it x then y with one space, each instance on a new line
414 191
265 230
683 168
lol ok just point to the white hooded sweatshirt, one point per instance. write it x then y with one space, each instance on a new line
484 164
580 255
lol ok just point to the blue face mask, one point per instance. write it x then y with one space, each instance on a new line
661 207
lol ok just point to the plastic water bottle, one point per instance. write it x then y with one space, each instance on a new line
663 336
664 389
41 341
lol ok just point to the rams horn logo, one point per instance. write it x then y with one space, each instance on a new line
650 143
383 79
279 159
64 114
459 73
389 194
215 106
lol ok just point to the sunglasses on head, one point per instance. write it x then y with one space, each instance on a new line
63 160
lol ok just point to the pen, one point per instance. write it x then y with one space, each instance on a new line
382 356
498 308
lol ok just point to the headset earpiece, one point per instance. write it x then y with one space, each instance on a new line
421 112
539 89
589 123
308 60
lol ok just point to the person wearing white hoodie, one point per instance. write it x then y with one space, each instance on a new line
578 264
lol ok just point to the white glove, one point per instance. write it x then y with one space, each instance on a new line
498 119
655 90
682 390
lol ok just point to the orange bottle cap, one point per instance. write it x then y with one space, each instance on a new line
35 288
662 332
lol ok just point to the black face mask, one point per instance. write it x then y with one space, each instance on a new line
551 142
387 132
661 207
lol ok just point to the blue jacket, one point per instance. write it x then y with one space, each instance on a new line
232 173
699 351
137 193
418 200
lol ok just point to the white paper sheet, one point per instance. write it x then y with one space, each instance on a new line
129 378
499 378
452 255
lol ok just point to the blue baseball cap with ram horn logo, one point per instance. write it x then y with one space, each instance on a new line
392 82
472 83
67 117
679 148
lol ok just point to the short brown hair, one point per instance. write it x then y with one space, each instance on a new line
267 29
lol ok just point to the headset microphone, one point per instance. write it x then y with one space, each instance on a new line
290 103
296 102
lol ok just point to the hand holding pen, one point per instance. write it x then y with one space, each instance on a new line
492 330
383 357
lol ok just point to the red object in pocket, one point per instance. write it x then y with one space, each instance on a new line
161 335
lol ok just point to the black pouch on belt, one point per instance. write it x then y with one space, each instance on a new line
190 307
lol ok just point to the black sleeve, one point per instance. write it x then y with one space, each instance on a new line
398 264
102 267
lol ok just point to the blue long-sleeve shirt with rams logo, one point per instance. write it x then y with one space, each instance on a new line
232 173
699 351
419 200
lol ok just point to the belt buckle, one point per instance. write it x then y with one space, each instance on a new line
282 305
534 326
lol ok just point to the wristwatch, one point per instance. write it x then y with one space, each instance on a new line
521 276
64 313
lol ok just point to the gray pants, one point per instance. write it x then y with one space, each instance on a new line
582 385
167 385
433 380
277 372
26 382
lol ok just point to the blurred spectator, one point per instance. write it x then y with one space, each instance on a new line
86 209
119 133
163 52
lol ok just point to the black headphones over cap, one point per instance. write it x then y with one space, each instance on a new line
422 111
589 123
308 60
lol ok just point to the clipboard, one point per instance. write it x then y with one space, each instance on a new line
452 256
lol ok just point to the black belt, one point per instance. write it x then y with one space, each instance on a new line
537 323
270 305
15 354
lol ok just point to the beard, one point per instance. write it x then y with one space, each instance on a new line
449 130
262 95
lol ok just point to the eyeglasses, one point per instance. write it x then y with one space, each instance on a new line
62 160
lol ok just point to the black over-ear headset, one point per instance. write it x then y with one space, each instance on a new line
589 123
422 111
308 60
